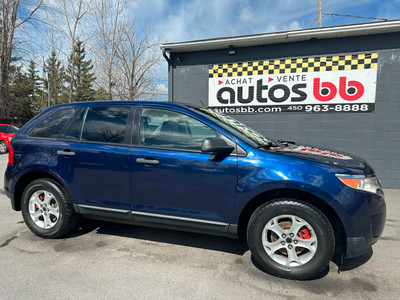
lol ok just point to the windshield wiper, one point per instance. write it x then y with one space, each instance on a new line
286 143
268 145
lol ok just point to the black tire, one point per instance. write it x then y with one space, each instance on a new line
66 219
3 147
276 263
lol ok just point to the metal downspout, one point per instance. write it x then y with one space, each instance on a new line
170 75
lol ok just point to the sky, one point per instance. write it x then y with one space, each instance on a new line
187 20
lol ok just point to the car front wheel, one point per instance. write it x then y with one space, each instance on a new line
291 239
47 209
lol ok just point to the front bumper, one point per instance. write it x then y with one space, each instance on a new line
357 246
363 215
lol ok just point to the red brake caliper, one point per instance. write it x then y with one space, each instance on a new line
41 199
304 233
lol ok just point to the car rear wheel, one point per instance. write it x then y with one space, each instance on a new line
47 209
3 147
291 239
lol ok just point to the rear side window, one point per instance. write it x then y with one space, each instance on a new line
106 125
74 131
53 125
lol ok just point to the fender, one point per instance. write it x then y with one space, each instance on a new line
245 196
275 171
40 168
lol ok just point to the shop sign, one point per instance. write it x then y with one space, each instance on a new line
325 84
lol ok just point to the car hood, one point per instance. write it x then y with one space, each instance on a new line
323 155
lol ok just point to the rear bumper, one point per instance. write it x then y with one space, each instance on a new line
11 196
9 187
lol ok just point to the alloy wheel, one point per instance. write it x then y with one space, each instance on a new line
289 240
44 209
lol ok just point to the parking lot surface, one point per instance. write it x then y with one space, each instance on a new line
103 260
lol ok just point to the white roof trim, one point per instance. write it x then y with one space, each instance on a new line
285 37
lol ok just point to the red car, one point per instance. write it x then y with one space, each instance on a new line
6 133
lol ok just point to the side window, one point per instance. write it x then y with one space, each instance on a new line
52 126
106 125
74 131
170 130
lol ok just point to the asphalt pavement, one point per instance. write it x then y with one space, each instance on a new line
103 260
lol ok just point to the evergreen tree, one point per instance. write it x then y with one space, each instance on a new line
20 94
100 94
56 74
83 75
33 85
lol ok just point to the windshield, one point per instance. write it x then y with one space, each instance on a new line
8 129
240 129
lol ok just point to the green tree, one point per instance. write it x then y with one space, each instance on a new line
20 94
100 94
56 74
12 15
33 85
83 77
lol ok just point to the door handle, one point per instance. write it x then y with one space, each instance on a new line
147 161
65 153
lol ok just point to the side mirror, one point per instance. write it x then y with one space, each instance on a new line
216 145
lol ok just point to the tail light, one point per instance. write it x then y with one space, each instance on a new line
10 155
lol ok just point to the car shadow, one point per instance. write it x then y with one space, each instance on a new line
195 240
175 237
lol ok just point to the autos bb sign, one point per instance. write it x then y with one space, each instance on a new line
325 84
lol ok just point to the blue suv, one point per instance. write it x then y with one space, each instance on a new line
189 168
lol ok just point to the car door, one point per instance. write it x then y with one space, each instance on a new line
92 156
172 180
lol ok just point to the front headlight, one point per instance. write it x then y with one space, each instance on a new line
360 182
